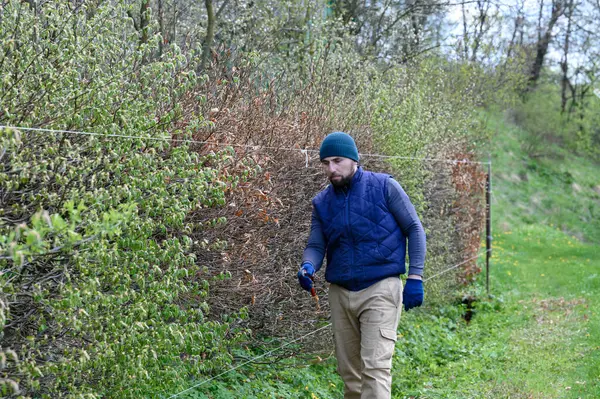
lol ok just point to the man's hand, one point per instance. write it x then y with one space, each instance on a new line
304 276
413 293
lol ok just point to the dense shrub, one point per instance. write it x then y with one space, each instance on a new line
99 271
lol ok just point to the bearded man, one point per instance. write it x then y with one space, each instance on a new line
364 223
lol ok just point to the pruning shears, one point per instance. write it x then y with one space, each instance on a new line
313 291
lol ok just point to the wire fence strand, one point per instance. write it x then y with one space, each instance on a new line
247 146
457 265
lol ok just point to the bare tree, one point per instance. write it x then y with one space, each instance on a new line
465 38
482 27
544 38
516 39
564 63
390 28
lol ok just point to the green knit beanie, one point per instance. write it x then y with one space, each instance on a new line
339 144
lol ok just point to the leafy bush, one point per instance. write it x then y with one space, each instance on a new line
99 271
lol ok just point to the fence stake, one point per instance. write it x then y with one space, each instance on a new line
488 226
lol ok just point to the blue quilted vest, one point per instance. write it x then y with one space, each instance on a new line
363 241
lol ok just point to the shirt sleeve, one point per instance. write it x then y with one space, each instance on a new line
315 249
406 216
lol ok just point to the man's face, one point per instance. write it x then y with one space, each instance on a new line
339 170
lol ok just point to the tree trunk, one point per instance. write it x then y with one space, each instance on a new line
142 26
173 36
210 34
544 41
564 63
511 44
144 21
483 7
465 33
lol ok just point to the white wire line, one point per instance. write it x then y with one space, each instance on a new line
457 265
452 161
305 151
164 139
304 336
250 361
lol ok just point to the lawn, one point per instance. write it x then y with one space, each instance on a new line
537 337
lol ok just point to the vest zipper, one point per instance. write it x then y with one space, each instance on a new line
347 196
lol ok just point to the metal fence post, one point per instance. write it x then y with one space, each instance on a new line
488 226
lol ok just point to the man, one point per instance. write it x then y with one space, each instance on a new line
362 221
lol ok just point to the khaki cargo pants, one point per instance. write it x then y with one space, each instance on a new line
364 329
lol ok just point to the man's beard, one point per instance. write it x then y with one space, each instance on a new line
343 182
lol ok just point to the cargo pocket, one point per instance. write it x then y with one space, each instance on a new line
385 349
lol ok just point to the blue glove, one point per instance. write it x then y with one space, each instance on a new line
304 276
413 293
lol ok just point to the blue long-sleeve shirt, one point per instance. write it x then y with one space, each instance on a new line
404 212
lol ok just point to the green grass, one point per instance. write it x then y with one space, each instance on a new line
559 190
290 378
538 336
555 304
